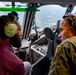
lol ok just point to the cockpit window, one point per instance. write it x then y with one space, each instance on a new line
74 10
9 5
49 15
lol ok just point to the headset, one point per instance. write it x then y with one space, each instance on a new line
10 28
72 21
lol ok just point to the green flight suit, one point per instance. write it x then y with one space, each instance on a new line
64 62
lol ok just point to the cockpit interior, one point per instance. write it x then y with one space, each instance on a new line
39 20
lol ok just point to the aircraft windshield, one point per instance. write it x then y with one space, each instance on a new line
9 5
46 17
49 15
74 10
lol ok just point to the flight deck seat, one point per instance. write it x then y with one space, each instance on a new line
53 40
56 39
41 67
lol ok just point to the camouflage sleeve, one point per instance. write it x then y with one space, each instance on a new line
65 56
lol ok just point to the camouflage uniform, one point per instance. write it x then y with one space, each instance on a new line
64 62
